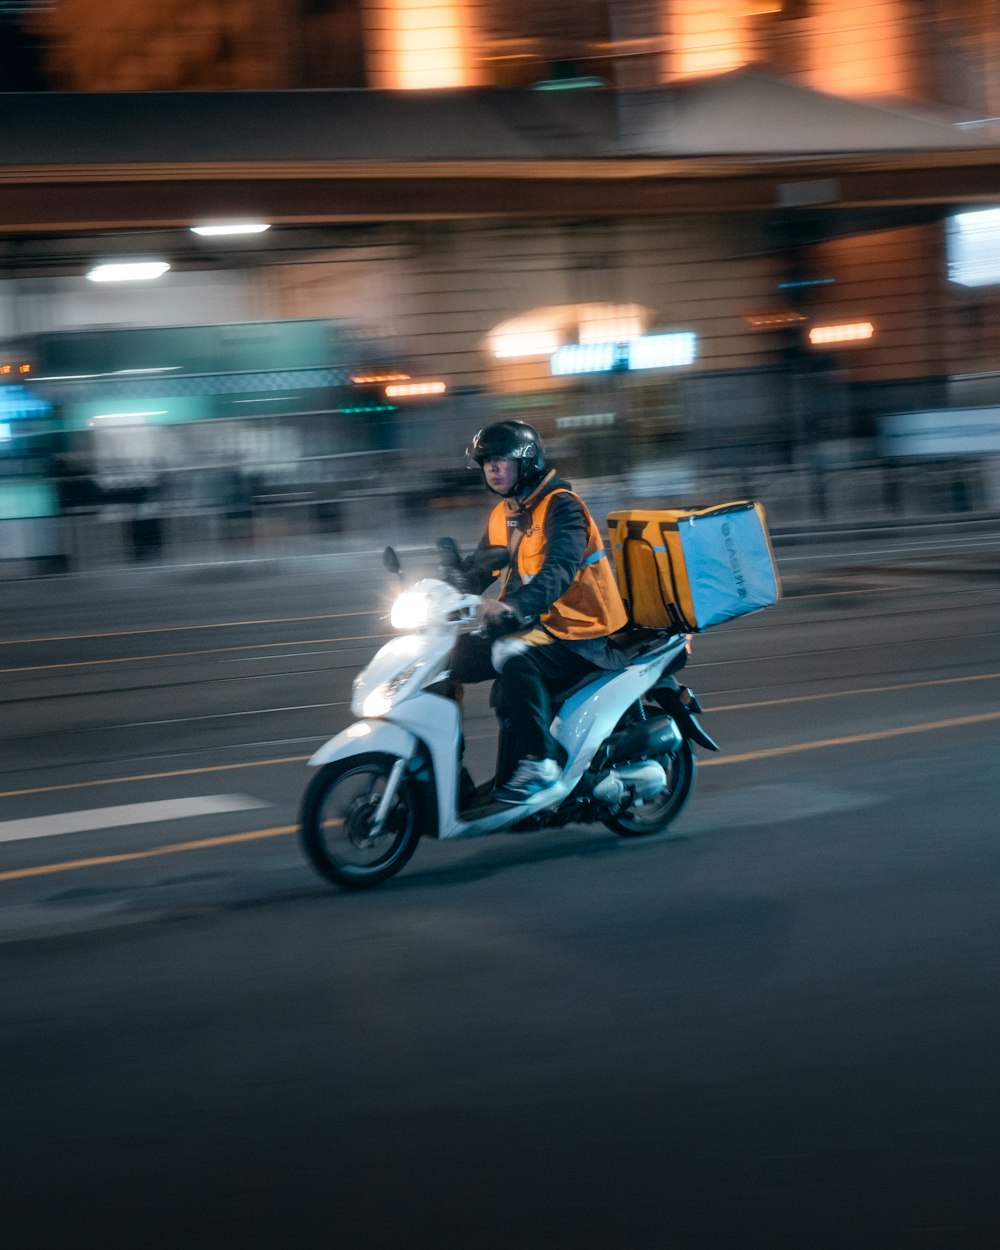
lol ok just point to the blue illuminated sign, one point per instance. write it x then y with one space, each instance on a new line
16 401
651 351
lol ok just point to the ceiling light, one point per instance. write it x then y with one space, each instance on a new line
129 271
233 227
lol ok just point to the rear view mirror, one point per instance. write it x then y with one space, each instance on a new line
469 574
449 555
391 561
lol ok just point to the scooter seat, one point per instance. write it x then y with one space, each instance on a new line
635 641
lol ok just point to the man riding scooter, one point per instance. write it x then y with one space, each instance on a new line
558 603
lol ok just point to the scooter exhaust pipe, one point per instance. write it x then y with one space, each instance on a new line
644 780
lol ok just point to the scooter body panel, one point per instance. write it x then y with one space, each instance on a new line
436 723
364 737
587 718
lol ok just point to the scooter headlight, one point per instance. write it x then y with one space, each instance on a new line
411 610
378 701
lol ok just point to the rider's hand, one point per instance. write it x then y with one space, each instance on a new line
492 612
495 619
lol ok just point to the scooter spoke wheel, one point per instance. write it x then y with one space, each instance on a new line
656 815
338 814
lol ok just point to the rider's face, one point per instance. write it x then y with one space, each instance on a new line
501 475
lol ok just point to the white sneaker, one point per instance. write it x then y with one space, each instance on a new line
530 777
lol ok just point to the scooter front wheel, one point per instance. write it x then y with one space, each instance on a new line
338 813
656 814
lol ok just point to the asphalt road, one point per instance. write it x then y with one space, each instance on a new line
777 1029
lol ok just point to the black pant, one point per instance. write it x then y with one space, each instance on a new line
525 686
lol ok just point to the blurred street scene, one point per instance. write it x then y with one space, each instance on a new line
265 269
259 286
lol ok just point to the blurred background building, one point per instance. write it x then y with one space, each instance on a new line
705 245
941 50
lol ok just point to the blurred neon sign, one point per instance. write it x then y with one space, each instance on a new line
853 332
407 389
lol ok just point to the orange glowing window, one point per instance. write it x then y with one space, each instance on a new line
420 43
859 48
705 36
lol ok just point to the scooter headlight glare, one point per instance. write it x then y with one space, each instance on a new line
377 703
411 610
381 699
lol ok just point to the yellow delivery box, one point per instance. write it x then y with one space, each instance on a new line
691 568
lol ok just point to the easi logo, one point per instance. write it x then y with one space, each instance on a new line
734 560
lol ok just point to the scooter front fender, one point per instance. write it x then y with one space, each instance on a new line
363 737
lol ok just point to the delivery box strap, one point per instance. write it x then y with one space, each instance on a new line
671 601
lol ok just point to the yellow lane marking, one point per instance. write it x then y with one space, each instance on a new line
845 694
173 772
177 655
256 834
177 848
849 739
181 629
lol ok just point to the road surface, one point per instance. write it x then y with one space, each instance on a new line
778 1029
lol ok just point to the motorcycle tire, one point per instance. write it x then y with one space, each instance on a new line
336 818
657 814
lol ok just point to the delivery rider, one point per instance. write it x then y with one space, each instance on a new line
557 606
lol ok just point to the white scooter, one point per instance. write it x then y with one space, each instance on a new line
394 775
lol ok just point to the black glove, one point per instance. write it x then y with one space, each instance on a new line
498 622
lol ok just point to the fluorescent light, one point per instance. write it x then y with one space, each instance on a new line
661 351
128 271
584 358
233 227
151 369
126 418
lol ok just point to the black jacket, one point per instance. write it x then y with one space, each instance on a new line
565 545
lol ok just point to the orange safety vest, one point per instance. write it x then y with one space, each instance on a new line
591 606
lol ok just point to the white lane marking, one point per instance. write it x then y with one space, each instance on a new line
183 720
125 814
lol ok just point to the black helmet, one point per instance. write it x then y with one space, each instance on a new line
511 440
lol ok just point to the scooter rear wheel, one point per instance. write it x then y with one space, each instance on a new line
656 814
338 810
